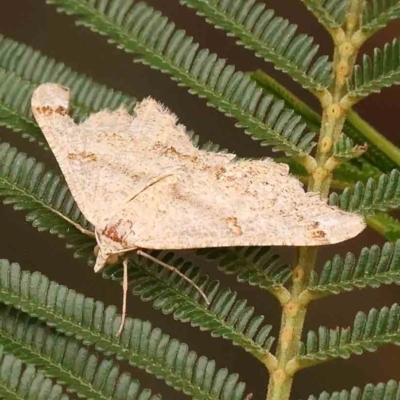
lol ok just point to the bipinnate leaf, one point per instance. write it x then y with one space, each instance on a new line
141 30
378 13
330 13
374 74
369 331
270 37
382 391
90 322
19 381
64 359
382 194
373 267
22 69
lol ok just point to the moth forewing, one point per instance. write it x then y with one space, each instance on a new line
143 185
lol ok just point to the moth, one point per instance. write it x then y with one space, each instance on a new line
142 184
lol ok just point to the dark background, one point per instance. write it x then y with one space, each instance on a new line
40 26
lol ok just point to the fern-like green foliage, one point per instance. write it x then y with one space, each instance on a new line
386 162
18 381
381 194
270 37
140 29
369 332
227 317
377 14
377 73
373 268
382 391
22 69
64 359
26 185
331 13
257 266
89 321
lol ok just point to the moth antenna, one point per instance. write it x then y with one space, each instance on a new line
125 294
173 269
77 226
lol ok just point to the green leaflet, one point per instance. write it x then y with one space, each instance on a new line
372 268
375 74
270 37
140 29
89 321
257 266
26 185
382 391
369 331
18 381
227 316
22 69
381 194
378 13
64 359
331 13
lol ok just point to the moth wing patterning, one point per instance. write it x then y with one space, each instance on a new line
240 203
142 184
111 156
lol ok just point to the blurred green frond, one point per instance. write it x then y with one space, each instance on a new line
382 391
381 194
377 73
378 13
370 331
257 266
89 321
18 381
330 13
141 30
386 225
373 268
22 69
227 316
63 358
270 37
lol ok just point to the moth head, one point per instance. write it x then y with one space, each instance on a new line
104 257
51 96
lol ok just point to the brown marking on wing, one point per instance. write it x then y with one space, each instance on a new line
118 231
45 110
82 156
234 226
220 171
111 231
318 234
61 110
172 150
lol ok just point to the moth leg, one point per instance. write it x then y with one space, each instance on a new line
173 269
125 294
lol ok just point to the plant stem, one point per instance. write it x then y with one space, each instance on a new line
333 118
